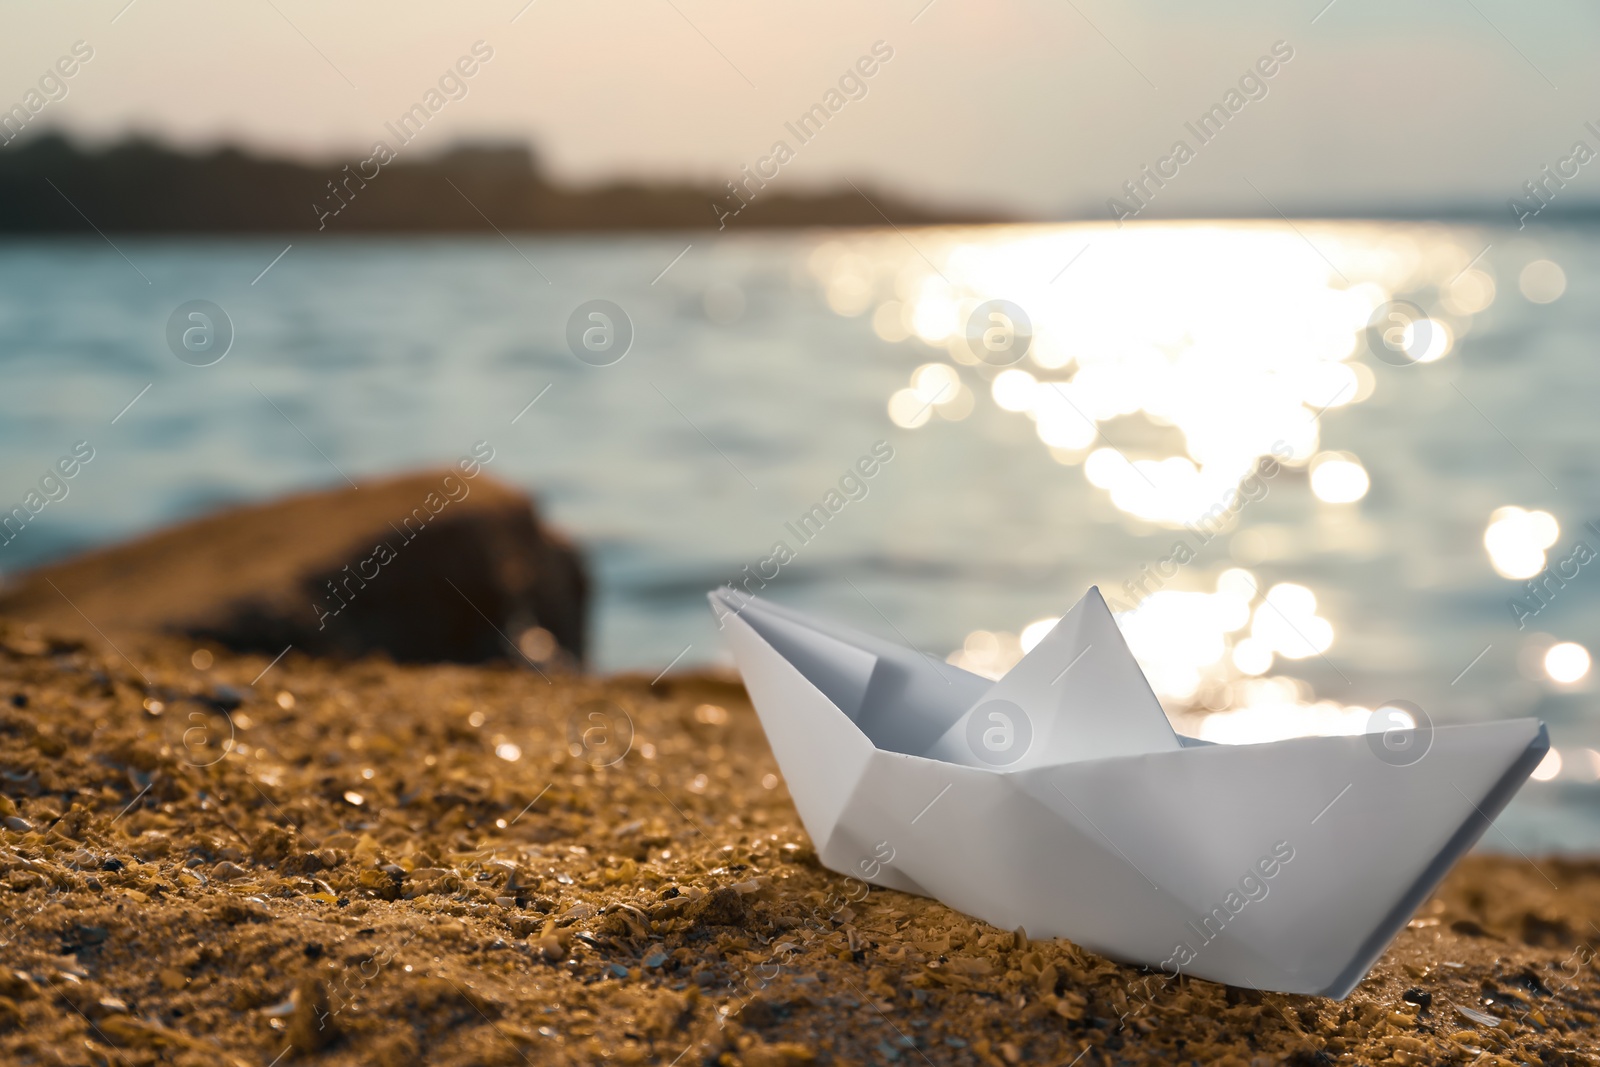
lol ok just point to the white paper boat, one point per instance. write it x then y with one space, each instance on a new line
1059 799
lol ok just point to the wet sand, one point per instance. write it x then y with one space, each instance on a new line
367 863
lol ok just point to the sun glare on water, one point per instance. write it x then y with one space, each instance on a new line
1176 366
1231 343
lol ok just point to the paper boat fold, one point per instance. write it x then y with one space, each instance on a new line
1059 799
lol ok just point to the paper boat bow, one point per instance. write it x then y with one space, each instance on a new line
1059 799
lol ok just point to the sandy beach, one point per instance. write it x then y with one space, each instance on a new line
204 860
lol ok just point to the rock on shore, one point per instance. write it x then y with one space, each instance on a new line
432 566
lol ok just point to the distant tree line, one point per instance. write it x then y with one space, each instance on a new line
48 184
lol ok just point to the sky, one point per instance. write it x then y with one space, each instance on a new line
1036 108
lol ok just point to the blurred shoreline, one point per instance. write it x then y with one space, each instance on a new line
51 184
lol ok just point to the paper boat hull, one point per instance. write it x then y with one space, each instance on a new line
1287 866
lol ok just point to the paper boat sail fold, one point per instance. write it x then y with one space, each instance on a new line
1286 866
1082 691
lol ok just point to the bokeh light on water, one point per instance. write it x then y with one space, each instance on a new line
1229 346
